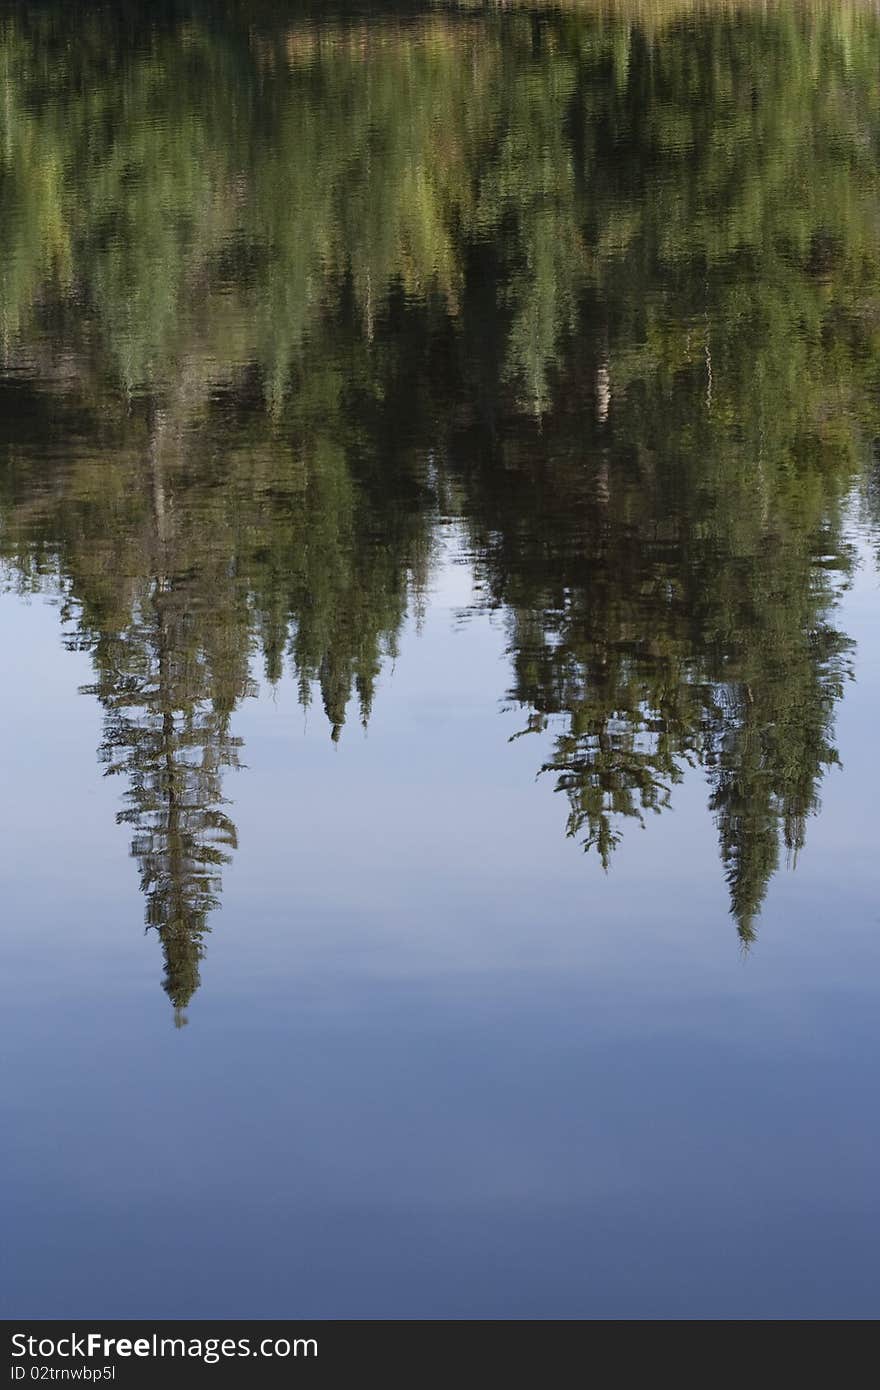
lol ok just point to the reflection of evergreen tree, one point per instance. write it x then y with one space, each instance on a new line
168 681
165 734
173 556
660 617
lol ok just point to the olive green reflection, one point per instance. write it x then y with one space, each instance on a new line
278 299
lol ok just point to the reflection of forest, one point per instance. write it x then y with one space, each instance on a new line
273 301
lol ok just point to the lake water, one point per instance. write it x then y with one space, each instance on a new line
439 533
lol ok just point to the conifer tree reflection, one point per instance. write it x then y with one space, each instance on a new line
168 694
675 607
170 653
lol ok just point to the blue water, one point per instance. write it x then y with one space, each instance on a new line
440 1065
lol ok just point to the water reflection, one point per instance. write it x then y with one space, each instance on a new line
278 300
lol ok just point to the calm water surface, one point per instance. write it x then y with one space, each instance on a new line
439 531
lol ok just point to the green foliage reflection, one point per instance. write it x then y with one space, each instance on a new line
277 297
